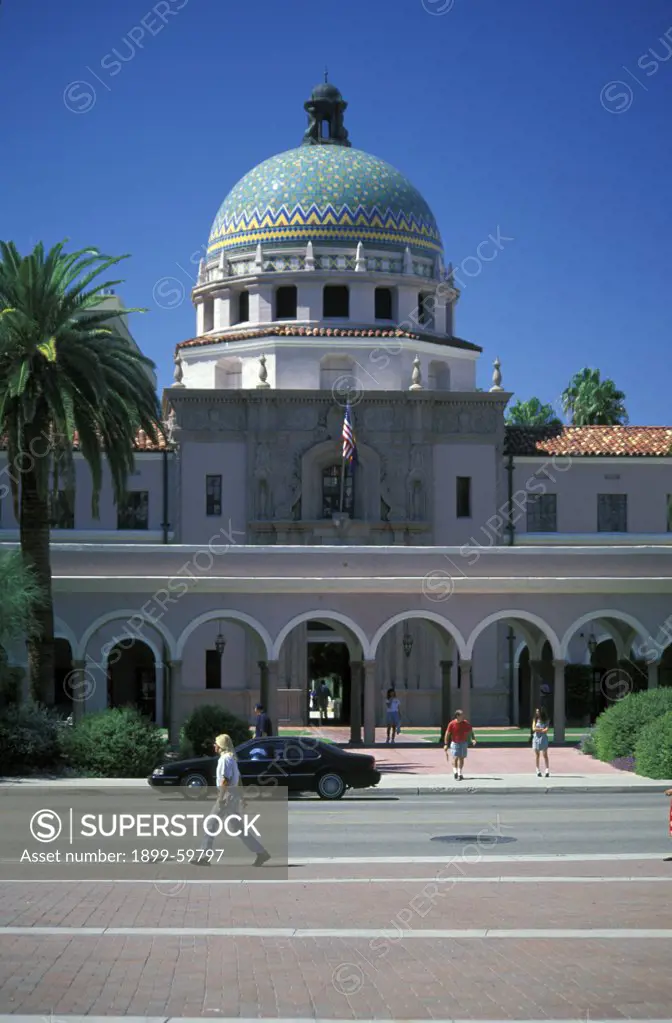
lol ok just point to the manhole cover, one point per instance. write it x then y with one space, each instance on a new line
483 839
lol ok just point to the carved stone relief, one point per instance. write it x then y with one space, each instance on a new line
213 417
416 486
456 419
393 482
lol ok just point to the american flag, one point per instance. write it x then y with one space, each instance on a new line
349 443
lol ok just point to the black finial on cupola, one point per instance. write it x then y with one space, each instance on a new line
325 110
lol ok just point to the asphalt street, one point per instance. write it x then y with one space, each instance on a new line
535 907
511 825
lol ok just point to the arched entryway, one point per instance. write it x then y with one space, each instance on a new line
328 669
603 663
419 654
131 678
223 658
327 650
114 668
516 664
535 681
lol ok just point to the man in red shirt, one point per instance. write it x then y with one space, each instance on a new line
458 734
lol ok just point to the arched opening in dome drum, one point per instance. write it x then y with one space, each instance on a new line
383 301
243 302
336 302
286 303
326 129
425 309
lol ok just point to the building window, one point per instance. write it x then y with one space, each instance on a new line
669 513
612 513
336 302
134 512
463 494
61 511
213 670
243 307
383 300
286 303
542 513
213 495
331 492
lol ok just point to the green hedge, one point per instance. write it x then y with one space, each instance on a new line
618 728
653 752
207 722
117 743
30 739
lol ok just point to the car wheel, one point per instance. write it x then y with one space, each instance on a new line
330 786
194 786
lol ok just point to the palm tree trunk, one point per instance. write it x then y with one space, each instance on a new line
34 534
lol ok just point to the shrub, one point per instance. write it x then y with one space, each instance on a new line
29 739
587 743
653 753
208 721
618 728
118 743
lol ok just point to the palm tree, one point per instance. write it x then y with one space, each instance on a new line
19 593
532 413
591 401
66 374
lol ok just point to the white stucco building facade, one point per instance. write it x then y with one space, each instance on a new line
459 560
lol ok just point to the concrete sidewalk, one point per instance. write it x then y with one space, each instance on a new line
426 772
515 784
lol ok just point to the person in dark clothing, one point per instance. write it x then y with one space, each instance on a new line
262 725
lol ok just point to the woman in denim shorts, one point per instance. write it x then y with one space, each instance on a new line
540 739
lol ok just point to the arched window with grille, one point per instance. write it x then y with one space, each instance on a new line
331 492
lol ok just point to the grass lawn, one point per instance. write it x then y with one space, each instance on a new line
515 736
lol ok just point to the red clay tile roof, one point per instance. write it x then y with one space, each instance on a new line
142 442
634 441
249 335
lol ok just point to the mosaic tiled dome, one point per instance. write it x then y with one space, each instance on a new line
324 193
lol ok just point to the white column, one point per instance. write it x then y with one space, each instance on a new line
362 309
175 722
559 701
356 703
158 692
272 707
369 702
446 695
652 668
77 684
222 313
463 697
407 298
261 303
200 316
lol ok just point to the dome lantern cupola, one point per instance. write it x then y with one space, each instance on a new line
325 110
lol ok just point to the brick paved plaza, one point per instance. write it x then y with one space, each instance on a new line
145 956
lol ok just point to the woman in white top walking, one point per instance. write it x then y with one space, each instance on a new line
392 705
230 801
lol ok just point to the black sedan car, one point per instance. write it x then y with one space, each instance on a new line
303 765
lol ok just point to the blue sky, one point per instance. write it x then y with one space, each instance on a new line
503 114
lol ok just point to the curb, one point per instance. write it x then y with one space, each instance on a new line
513 790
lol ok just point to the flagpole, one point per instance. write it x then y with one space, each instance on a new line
342 482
